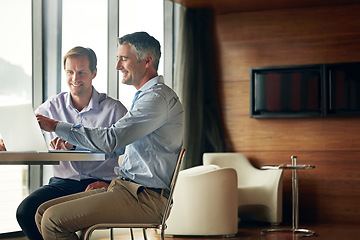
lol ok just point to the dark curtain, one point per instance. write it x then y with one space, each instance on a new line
195 75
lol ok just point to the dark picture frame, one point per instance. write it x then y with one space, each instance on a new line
343 89
318 90
286 91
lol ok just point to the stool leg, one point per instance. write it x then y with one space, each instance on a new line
132 234
144 233
163 233
295 196
111 233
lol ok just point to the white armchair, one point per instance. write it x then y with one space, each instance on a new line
205 202
259 191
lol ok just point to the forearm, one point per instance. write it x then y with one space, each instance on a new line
94 139
127 130
46 123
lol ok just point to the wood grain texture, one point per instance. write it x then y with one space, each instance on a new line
287 37
330 192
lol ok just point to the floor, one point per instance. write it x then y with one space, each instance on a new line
252 232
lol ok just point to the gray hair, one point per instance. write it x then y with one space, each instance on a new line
142 45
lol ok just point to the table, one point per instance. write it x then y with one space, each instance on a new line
295 199
47 158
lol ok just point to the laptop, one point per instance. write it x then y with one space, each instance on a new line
20 130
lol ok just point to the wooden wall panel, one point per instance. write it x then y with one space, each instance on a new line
231 6
330 192
287 37
311 134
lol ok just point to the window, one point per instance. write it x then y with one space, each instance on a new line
134 16
16 87
85 23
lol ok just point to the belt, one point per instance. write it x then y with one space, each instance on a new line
161 191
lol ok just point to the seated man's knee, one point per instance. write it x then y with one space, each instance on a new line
52 222
40 214
25 210
44 219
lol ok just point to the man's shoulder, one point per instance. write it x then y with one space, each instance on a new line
53 104
163 90
59 99
61 96
105 99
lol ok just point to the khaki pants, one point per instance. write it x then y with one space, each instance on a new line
122 202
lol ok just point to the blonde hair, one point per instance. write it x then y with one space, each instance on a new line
81 51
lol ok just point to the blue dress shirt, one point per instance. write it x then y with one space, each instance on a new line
151 131
102 111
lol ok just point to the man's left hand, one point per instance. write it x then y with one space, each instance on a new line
96 185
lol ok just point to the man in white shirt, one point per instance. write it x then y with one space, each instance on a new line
81 105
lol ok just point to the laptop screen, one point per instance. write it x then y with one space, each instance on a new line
20 129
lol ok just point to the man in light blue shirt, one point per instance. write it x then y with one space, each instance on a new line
81 105
151 133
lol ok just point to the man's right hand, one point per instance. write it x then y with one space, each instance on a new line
46 124
2 145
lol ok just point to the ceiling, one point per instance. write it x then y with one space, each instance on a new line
231 6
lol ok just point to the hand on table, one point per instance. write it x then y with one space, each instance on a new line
46 124
60 144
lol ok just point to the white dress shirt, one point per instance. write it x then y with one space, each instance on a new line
151 132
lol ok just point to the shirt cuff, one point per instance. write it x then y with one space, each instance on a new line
63 130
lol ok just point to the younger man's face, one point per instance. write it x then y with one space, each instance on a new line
78 76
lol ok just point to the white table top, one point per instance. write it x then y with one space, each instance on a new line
44 158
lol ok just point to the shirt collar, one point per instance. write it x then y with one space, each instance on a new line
93 104
156 80
94 100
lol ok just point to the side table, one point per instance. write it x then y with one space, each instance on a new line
295 199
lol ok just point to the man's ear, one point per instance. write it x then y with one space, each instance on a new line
94 73
148 61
